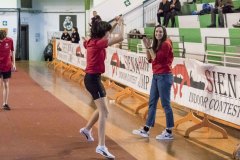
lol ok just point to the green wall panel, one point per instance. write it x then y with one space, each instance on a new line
176 51
149 31
132 44
205 20
234 33
215 56
191 34
236 4
208 1
187 9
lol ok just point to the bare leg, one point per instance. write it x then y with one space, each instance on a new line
92 120
103 113
5 90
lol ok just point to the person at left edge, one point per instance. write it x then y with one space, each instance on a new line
7 64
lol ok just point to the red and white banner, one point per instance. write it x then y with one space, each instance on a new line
207 88
71 53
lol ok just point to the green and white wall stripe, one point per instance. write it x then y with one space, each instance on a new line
202 21
194 38
234 33
189 21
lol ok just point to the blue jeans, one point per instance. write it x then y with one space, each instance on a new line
160 88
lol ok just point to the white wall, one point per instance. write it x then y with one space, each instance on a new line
48 21
59 5
108 9
41 24
11 19
8 3
134 19
97 2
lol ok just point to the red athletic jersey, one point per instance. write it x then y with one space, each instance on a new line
96 55
164 58
6 46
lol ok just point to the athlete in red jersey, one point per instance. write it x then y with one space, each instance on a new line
7 63
96 55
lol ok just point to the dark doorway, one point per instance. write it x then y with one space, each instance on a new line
24 43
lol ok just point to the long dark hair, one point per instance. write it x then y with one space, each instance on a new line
156 44
99 29
75 28
3 34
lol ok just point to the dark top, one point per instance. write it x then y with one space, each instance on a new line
177 5
165 7
66 37
96 18
223 3
75 37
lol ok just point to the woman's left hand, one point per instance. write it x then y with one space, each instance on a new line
147 42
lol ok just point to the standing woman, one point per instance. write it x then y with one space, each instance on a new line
7 63
96 54
160 54
75 35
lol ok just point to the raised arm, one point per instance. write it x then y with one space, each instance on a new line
118 39
149 51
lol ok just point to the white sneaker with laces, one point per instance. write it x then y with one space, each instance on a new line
87 134
141 132
104 152
164 136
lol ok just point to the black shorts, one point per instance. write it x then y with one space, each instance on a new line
94 85
5 75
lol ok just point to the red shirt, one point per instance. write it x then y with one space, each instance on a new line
96 55
6 48
163 62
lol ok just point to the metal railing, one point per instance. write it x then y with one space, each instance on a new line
140 48
222 53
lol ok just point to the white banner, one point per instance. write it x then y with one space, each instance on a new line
207 88
128 68
71 53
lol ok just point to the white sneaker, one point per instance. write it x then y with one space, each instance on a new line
164 136
141 132
104 152
87 134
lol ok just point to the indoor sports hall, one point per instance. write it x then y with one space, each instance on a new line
49 100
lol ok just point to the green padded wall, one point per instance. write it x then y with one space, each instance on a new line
149 31
132 44
233 33
205 20
191 34
208 1
187 9
236 4
176 51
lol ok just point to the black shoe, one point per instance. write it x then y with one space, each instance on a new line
212 26
6 107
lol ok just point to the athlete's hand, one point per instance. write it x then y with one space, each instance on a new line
14 68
